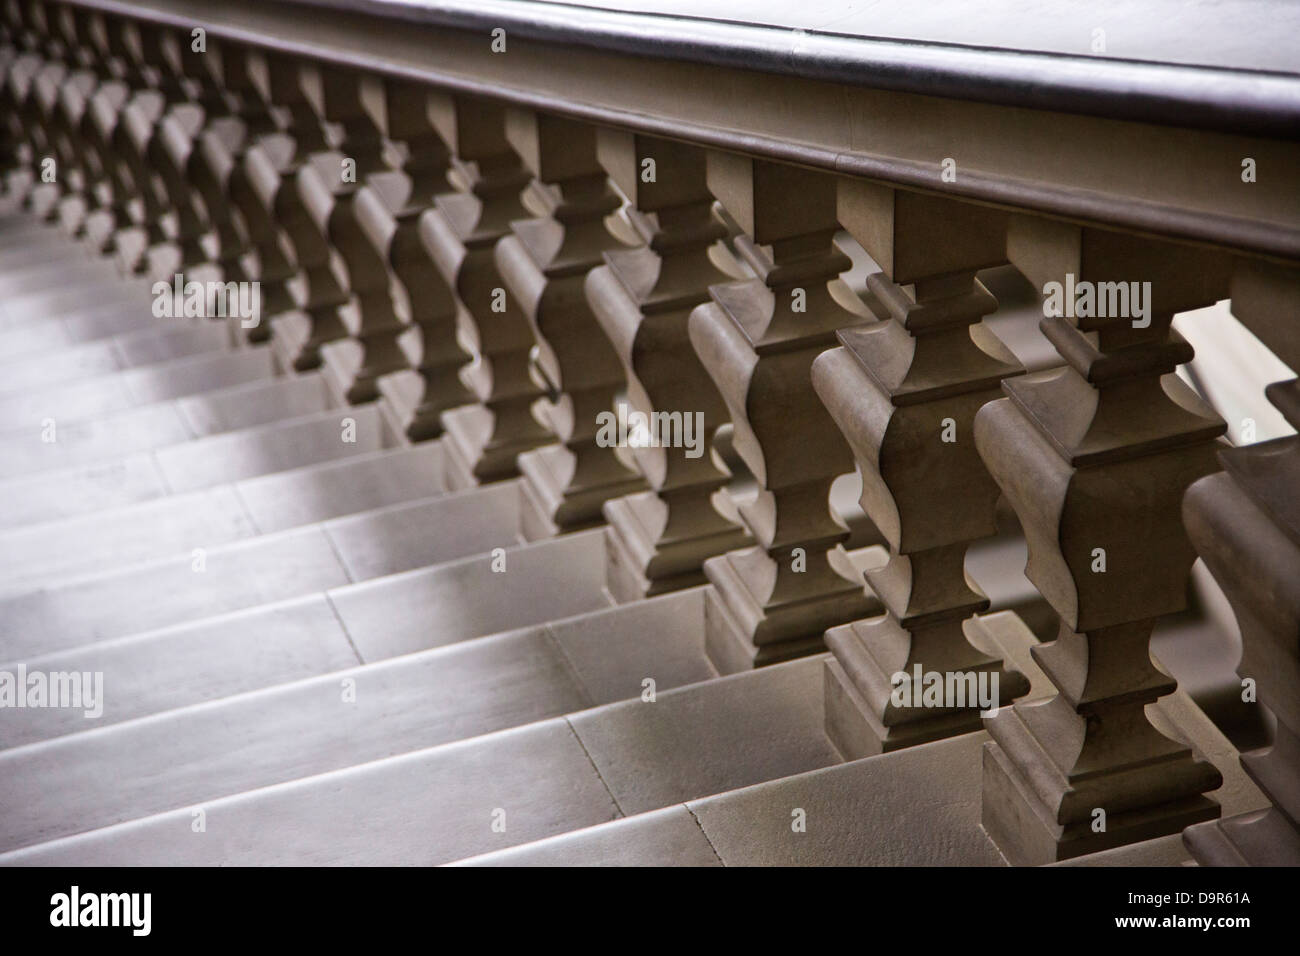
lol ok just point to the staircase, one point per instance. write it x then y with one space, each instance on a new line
356 580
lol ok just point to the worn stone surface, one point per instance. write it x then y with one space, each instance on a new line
463 599
113 603
668 837
420 809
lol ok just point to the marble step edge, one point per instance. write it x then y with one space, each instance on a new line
114 343
211 440
56 524
338 777
733 828
270 538
182 364
257 389
233 547
545 630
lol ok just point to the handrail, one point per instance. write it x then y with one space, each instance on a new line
1256 102
1197 117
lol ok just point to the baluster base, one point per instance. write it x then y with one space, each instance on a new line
754 635
1262 838
296 337
853 722
549 502
641 561
1025 828
473 456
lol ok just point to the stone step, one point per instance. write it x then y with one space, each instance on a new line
39 554
914 807
29 449
350 716
37 307
309 439
103 604
608 653
57 273
92 397
90 325
133 349
191 466
440 804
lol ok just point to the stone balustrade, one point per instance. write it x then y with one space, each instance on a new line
630 295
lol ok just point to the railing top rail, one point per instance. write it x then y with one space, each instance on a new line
1232 66
1156 148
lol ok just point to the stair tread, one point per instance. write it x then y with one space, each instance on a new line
37 554
608 653
100 607
382 813
461 599
119 352
464 780
919 806
262 449
126 388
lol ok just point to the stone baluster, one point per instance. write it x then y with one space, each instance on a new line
46 92
215 161
160 89
1245 524
21 105
86 192
544 263
176 145
115 193
658 540
483 440
361 229
905 393
168 153
415 398
261 173
301 185
1095 457
14 151
758 338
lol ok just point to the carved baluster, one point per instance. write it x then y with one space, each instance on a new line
545 264
483 440
302 187
153 223
658 540
758 338
176 145
905 393
266 170
92 75
361 228
215 161
47 88
415 398
20 103
115 193
1245 523
1095 458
